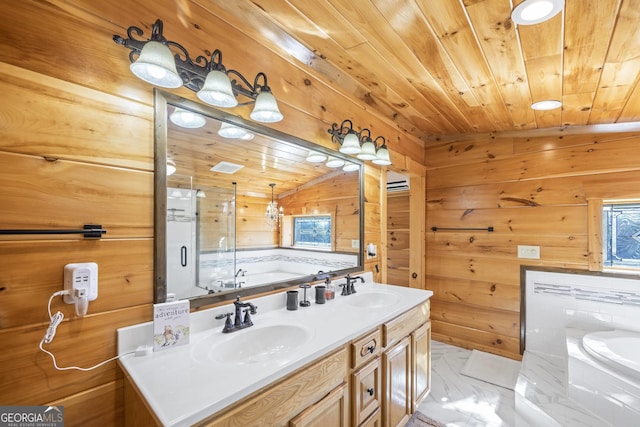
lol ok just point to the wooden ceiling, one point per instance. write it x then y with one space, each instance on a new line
450 67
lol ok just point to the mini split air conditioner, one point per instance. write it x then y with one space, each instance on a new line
397 182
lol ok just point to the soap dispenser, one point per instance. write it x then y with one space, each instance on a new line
330 291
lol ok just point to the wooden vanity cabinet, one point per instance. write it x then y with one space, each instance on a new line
405 364
331 411
391 370
374 381
421 363
300 399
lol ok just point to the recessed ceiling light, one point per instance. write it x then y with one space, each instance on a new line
545 105
531 12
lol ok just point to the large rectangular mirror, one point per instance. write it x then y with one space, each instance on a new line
240 209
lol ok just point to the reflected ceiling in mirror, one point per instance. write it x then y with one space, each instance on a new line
214 239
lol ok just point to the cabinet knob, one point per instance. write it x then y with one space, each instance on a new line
370 391
371 348
414 275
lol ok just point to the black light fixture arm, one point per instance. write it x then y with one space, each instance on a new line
339 132
384 142
193 73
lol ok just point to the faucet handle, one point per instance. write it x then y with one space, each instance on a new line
246 322
228 325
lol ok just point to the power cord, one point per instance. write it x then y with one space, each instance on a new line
54 322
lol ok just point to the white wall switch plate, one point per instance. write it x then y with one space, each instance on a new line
355 243
529 252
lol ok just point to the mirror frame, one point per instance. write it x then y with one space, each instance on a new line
161 101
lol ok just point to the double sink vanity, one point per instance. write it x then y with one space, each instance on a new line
357 360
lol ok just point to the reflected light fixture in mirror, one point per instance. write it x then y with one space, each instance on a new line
334 162
531 12
227 130
316 157
351 167
154 62
187 119
171 167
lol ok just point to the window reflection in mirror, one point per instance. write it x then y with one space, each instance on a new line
218 178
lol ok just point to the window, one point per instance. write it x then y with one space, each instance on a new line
621 235
312 231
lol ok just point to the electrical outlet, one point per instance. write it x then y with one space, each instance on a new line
81 280
529 252
355 244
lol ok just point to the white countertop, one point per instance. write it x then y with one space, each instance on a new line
183 385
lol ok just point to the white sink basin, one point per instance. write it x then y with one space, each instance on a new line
376 299
257 344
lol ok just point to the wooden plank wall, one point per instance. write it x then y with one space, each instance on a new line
534 191
398 238
76 147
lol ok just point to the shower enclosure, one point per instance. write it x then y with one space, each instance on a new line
201 241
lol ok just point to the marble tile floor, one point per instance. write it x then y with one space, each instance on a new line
459 401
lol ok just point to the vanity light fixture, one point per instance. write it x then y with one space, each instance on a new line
316 157
273 214
349 141
531 12
187 119
548 104
153 61
334 162
346 137
227 130
368 149
382 155
351 167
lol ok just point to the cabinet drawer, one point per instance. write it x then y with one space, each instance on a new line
280 403
367 383
404 324
365 348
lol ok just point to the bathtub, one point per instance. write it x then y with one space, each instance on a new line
249 280
603 374
618 349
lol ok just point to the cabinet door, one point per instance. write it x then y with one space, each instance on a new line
366 387
421 361
331 411
374 420
396 405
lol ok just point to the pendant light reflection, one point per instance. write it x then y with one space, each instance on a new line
273 214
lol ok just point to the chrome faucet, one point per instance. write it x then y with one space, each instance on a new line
238 322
